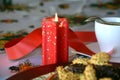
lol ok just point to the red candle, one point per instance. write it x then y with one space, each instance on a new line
54 40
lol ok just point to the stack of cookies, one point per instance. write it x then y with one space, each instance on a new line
95 68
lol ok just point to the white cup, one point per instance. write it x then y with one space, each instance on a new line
108 36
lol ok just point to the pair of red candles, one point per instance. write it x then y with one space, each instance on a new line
54 40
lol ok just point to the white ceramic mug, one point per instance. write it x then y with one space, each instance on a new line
108 36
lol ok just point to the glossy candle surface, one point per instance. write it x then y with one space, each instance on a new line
54 41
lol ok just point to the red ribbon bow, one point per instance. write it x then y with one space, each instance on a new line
20 47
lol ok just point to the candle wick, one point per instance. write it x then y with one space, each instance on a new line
56 17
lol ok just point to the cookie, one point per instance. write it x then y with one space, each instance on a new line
90 73
84 61
101 58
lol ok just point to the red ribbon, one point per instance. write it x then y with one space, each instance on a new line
20 47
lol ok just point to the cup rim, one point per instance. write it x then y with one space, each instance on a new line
110 18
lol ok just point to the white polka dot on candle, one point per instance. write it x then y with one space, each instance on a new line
48 40
47 33
48 26
49 58
54 43
55 37
47 49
